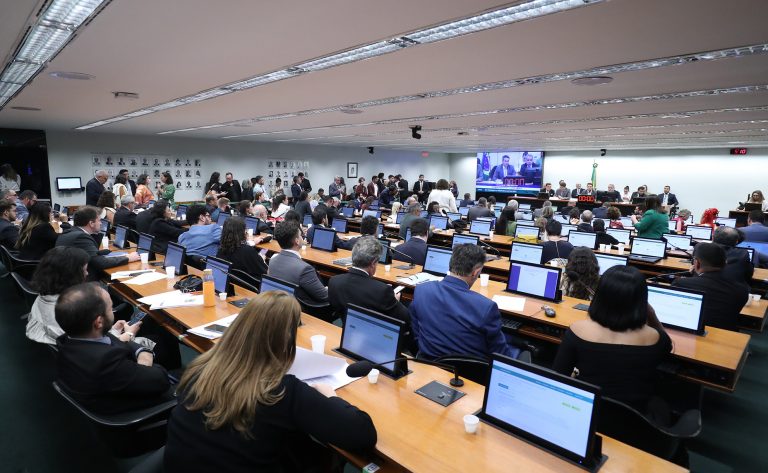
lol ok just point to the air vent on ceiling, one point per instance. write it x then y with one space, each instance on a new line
70 75
126 95
27 109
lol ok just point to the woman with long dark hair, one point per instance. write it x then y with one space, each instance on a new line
279 207
163 227
213 186
167 190
506 223
234 247
37 235
581 274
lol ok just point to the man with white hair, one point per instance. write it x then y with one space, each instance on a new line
124 215
260 212
336 188
95 187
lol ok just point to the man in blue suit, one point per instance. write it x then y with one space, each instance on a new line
416 247
755 230
447 317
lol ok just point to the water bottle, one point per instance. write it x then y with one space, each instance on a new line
209 292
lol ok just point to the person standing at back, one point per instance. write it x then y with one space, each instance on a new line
95 187
654 222
232 188
306 186
443 196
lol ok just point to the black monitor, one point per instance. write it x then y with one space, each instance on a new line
56 207
270 283
438 221
175 256
121 237
438 260
386 254
324 239
145 245
223 216
460 239
677 308
750 206
535 280
68 184
369 335
252 223
339 224
526 252
220 269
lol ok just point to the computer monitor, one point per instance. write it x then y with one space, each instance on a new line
372 213
121 233
220 272
223 216
526 216
181 211
648 247
567 229
678 308
480 227
460 239
750 206
252 223
464 211
619 234
399 216
145 245
527 233
307 220
728 222
526 223
758 247
453 216
424 214
554 412
627 222
348 212
488 219
535 280
751 252
174 256
438 260
339 224
678 242
587 239
104 226
524 206
698 232
270 283
369 335
526 252
438 221
380 229
385 257
561 218
605 261
323 239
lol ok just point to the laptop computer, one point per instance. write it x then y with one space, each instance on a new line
757 247
556 413
220 269
619 234
380 230
436 265
677 308
181 211
271 283
385 257
104 226
587 239
728 222
678 242
339 224
369 335
527 233
348 212
626 222
453 216
526 252
672 225
175 256
698 232
526 223
145 245
399 217
372 213
524 206
567 229
535 280
252 223
463 211
307 220
121 237
424 214
324 239
223 216
459 239
563 219
525 216
480 227
438 221
605 261
647 250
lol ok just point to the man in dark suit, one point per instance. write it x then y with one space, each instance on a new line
414 250
87 224
480 210
421 189
302 206
106 374
585 223
505 169
738 266
602 211
358 286
755 230
320 219
9 232
369 226
723 297
95 187
640 193
124 215
288 265
232 188
577 191
296 188
529 170
667 199
306 186
131 182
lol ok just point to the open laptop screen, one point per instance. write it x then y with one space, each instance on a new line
252 223
323 239
222 218
385 257
619 234
371 336
269 283
582 239
464 211
480 227
372 213
534 280
181 211
438 260
728 222
699 232
526 232
307 220
567 229
120 234
400 216
144 243
459 239
104 226
648 247
608 261
438 221
678 242
526 252
339 224
677 308
453 216
174 256
348 212
627 222
220 272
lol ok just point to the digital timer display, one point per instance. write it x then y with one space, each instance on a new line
738 150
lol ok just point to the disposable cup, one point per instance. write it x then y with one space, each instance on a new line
373 376
387 267
470 423
621 248
223 296
484 280
144 258
318 343
170 272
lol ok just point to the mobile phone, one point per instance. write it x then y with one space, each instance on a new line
137 318
216 328
267 238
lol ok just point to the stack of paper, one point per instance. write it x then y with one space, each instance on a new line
130 274
319 368
509 304
166 300
203 332
146 278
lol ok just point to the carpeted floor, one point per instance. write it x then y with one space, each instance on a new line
40 433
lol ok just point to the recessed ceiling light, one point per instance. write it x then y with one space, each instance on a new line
351 111
593 80
27 109
70 75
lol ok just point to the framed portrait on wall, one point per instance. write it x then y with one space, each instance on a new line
352 170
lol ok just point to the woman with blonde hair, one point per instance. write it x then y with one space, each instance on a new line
240 410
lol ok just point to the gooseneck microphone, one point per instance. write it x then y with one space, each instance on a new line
363 367
669 277
490 247
410 259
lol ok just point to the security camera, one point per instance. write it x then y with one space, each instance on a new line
602 152
415 132
370 150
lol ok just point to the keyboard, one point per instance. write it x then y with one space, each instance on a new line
343 261
511 324
645 259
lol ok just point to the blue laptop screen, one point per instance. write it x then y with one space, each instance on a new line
307 220
537 281
372 213
174 256
120 236
339 224
370 337
438 221
347 211
480 227
145 243
220 273
252 223
438 260
323 239
222 218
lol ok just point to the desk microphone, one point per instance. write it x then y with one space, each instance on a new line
411 264
687 252
670 276
363 367
498 255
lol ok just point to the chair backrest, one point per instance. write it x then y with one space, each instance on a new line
197 262
246 281
153 463
467 366
26 290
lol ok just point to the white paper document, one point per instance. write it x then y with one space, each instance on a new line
420 278
130 274
146 278
509 304
319 368
170 299
202 332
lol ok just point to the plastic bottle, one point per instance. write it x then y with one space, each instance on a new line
209 293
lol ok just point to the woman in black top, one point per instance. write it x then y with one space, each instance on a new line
555 247
619 347
507 217
37 234
163 227
234 248
239 410
602 238
213 186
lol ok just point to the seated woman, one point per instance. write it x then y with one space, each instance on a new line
555 248
619 347
37 235
602 238
234 247
506 224
105 203
614 216
163 227
239 410
708 218
758 198
279 206
581 274
681 220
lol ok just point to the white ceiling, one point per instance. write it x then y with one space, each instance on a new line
169 49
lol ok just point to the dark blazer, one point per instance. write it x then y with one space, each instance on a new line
125 217
93 190
306 186
246 258
738 267
41 239
164 230
671 199
9 233
77 238
585 227
466 202
600 212
291 268
723 300
577 192
604 239
143 221
416 248
233 191
756 232
132 185
477 212
302 208
357 287
373 189
106 378
295 191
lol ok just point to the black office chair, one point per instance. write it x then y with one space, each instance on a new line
119 432
27 292
197 262
246 281
467 366
628 425
152 464
11 260
320 310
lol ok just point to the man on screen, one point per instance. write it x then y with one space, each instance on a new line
529 169
503 170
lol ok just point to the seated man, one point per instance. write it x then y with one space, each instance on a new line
414 250
724 298
25 202
449 318
9 232
467 200
288 265
585 225
223 207
124 215
738 267
102 372
414 212
260 212
755 230
357 286
320 219
87 224
368 226
203 236
602 211
480 210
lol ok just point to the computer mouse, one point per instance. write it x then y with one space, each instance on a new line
548 311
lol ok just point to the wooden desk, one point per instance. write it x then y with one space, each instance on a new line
752 316
415 434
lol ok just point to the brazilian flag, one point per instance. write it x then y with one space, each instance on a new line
594 175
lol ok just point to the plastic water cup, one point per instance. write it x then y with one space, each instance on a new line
484 280
105 243
144 258
387 267
170 272
621 248
490 235
303 247
183 216
373 376
470 423
250 233
318 343
222 296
